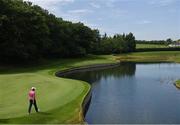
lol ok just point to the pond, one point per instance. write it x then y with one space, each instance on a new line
133 93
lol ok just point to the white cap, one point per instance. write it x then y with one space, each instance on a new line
33 88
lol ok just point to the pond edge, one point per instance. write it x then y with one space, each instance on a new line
87 98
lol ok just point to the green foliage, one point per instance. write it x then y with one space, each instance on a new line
30 33
159 42
169 41
116 44
23 32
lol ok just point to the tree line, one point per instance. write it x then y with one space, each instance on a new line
29 33
161 42
119 43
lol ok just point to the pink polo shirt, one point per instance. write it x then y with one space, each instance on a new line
31 95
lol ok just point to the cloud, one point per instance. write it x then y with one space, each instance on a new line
112 3
74 15
80 11
107 3
144 22
56 7
50 3
162 2
95 5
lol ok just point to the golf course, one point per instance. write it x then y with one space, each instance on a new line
42 41
59 99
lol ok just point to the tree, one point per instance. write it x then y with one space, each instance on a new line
169 41
29 33
130 39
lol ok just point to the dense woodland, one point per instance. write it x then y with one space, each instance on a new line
30 33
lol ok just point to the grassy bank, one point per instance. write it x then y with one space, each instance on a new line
59 99
155 47
146 46
177 83
157 56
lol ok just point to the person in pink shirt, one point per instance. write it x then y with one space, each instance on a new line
32 99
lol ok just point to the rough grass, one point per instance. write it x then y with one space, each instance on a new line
158 56
59 99
143 46
177 83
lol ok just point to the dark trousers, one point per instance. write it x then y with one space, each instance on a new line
31 102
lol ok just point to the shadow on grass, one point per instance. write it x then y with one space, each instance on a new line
4 121
47 64
28 117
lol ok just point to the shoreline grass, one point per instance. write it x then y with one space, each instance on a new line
177 84
157 56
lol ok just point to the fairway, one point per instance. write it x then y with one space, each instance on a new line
155 56
146 46
59 99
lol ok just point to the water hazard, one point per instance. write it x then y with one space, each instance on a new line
133 93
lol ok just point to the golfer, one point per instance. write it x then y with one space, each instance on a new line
32 99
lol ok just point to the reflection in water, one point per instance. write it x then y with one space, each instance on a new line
133 93
92 76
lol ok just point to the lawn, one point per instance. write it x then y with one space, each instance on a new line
156 56
146 46
59 99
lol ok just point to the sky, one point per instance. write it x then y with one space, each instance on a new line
147 19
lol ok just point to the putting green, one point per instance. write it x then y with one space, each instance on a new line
59 99
51 93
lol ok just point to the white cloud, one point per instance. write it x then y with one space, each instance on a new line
162 2
55 7
99 19
74 15
80 11
95 5
144 22
112 3
50 3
